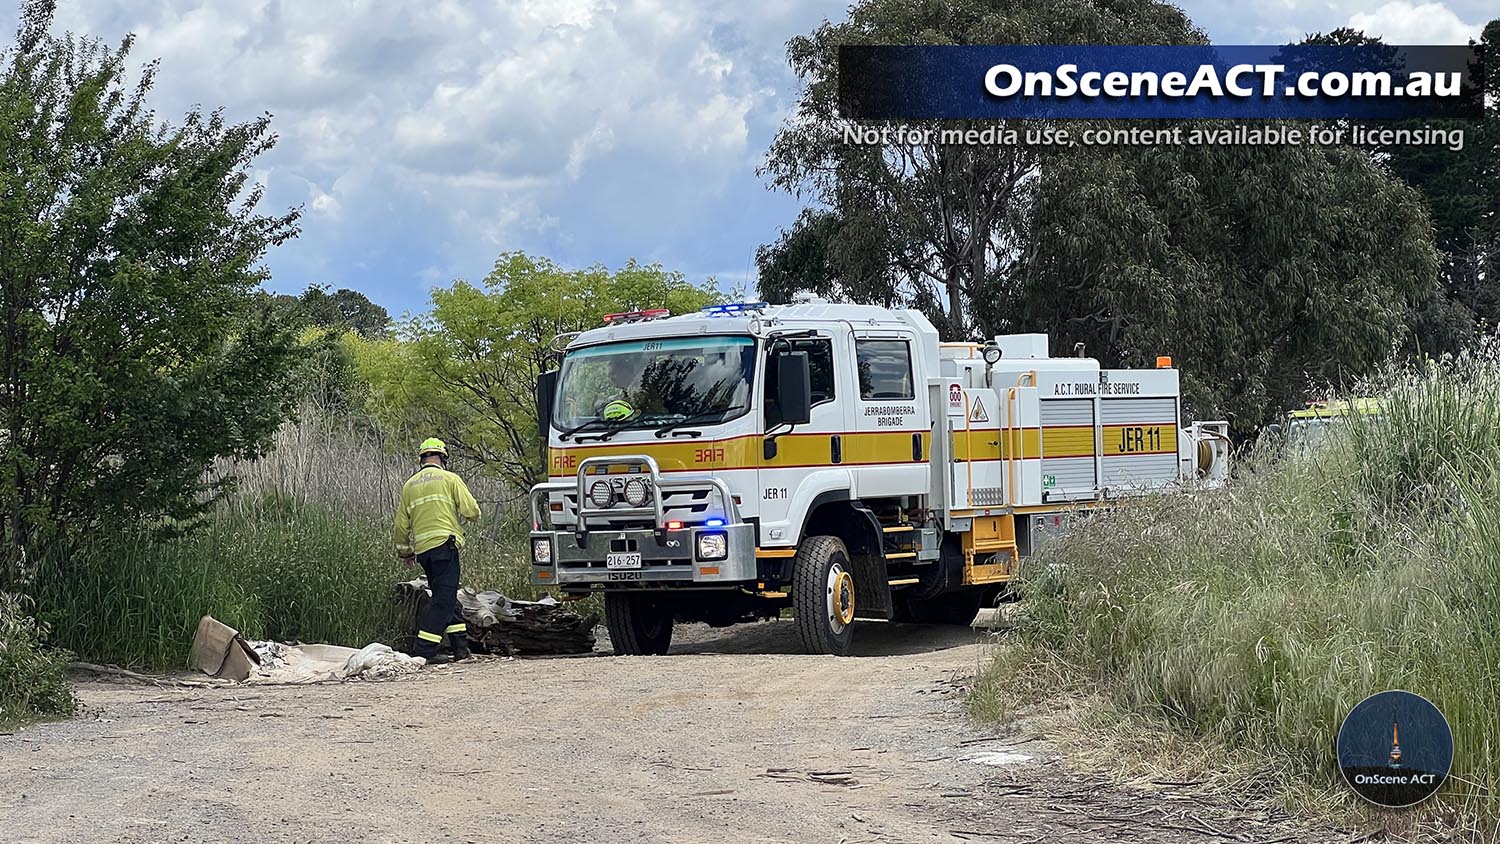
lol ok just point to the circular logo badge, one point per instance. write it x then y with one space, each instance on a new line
1395 749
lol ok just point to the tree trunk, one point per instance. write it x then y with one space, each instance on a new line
955 306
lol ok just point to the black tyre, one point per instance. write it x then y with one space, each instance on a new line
823 596
639 624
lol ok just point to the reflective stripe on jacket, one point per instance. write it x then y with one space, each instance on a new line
432 501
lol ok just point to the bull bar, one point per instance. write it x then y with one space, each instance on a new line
668 555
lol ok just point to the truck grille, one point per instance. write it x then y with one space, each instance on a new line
686 506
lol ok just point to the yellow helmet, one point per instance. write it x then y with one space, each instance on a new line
618 410
432 445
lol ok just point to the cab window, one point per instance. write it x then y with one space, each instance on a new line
819 362
884 369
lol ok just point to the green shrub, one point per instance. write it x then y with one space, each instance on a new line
274 570
33 677
1258 615
299 551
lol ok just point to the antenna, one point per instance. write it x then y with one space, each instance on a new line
1395 738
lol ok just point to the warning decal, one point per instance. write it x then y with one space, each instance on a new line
978 414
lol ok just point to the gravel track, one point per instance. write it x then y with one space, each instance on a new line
735 737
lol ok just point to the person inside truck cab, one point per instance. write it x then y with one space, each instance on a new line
615 404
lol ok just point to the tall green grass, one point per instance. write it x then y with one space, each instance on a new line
300 551
33 677
1255 617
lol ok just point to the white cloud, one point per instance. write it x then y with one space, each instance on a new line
1402 22
322 202
423 136
477 124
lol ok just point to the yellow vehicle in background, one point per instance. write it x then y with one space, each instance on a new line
1307 427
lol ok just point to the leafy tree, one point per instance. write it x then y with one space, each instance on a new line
326 373
1265 271
1268 271
131 355
930 226
344 309
1461 189
340 311
466 371
1462 192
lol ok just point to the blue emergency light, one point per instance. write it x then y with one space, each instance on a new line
735 307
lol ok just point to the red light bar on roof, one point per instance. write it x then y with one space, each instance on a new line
636 316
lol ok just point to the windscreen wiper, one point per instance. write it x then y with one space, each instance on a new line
577 429
697 417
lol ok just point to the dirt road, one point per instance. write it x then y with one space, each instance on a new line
735 738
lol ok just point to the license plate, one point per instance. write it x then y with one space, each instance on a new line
631 560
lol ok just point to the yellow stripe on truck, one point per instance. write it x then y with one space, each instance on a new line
745 452
1130 440
995 444
1057 441
1068 441
734 453
876 448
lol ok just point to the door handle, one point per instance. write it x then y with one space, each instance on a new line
916 446
836 449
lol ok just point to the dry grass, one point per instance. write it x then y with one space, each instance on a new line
1234 630
300 550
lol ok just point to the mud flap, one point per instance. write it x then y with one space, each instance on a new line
872 588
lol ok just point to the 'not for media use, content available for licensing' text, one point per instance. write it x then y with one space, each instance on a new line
1054 134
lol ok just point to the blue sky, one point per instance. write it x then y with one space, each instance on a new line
425 138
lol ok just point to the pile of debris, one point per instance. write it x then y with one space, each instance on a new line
499 625
220 651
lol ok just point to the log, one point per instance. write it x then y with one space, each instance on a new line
499 625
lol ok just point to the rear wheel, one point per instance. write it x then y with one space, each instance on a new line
640 624
823 596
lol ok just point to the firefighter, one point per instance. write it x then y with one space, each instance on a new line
427 529
616 406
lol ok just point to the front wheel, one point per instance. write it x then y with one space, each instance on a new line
640 624
823 596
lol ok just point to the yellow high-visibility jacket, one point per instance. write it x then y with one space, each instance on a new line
432 501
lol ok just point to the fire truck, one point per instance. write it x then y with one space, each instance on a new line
832 459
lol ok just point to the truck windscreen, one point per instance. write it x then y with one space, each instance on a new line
650 383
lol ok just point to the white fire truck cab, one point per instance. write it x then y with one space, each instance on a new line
834 459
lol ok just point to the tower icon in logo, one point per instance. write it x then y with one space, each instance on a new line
1373 760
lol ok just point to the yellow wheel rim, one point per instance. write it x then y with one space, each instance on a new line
841 598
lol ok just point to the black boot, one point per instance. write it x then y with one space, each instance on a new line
460 643
428 650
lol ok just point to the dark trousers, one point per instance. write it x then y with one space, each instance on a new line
444 617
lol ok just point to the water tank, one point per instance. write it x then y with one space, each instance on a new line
1022 345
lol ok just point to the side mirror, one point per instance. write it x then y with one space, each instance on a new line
546 391
794 388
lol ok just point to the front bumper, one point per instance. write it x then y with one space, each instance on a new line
578 554
667 557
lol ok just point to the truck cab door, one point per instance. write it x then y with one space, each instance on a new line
803 449
890 437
